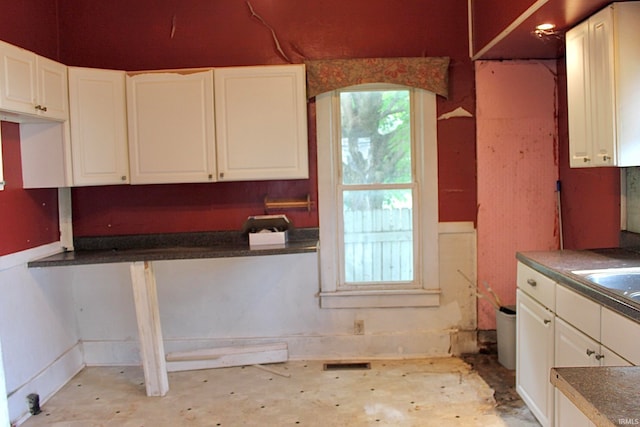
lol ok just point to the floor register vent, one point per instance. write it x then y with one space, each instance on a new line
347 366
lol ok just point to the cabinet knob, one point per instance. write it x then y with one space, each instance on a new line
123 178
532 282
599 356
605 158
221 175
41 108
547 321
586 159
590 352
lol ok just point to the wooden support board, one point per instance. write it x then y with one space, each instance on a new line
148 315
227 356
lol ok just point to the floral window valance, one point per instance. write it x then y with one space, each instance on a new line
425 73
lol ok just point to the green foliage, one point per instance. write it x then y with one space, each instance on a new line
376 143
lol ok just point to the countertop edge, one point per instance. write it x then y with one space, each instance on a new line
564 277
172 247
605 395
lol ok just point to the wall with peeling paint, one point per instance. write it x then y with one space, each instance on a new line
138 35
517 170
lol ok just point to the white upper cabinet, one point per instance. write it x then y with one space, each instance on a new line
98 121
603 62
171 127
261 123
31 84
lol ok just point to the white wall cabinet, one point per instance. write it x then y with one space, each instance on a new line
534 357
261 122
603 62
171 127
31 84
98 122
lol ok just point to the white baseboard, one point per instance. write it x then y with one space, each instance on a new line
418 344
46 383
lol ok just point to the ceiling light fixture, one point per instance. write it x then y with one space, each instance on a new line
546 29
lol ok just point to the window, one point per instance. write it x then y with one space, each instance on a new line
377 179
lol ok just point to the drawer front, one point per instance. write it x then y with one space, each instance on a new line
537 286
621 335
578 311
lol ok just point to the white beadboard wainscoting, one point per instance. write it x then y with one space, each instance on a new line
54 321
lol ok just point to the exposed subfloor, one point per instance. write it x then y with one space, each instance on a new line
427 392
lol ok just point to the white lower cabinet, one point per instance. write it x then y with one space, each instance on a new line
564 329
535 351
573 348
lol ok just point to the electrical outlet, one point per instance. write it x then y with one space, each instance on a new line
358 327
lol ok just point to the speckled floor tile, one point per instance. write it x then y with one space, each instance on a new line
430 392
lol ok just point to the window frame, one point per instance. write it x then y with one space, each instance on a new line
426 290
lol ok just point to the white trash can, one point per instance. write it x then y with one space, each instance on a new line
506 337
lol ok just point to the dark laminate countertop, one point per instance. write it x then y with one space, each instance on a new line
558 265
160 247
608 396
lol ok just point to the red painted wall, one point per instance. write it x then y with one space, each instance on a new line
28 218
137 35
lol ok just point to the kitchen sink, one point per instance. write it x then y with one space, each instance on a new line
623 281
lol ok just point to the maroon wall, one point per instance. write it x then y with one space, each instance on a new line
137 35
28 218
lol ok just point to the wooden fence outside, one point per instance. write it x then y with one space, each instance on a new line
378 245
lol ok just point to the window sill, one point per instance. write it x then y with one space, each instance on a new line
381 299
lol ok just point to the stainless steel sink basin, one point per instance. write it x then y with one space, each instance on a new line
624 281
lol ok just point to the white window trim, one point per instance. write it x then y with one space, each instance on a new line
426 149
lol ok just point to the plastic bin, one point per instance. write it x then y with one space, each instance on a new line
506 337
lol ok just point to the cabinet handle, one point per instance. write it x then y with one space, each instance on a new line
532 282
41 108
547 321
590 352
586 159
123 178
221 175
605 158
599 356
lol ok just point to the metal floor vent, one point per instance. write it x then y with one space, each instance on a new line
345 366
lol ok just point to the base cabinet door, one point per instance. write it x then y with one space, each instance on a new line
568 414
535 350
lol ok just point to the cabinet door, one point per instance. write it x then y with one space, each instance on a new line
98 126
534 357
579 95
609 358
171 127
18 90
573 348
621 335
601 63
53 94
261 122
567 414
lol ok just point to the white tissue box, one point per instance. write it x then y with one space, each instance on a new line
268 238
